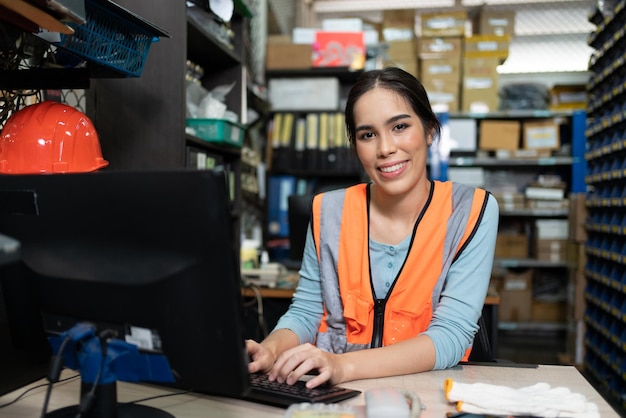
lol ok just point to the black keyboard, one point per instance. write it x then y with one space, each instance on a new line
283 395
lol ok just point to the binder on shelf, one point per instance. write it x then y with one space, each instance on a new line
322 146
312 134
274 141
299 144
280 187
332 157
285 150
282 134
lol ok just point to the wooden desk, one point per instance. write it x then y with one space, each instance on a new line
269 292
428 385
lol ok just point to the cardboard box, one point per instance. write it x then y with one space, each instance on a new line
551 229
577 217
554 250
439 47
499 134
402 50
494 22
541 135
568 97
516 296
510 200
480 46
446 70
549 311
442 93
281 54
576 256
316 93
480 85
472 176
443 24
579 302
409 65
511 246
399 18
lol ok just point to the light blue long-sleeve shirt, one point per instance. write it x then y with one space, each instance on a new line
455 318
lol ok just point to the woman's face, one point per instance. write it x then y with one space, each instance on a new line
390 141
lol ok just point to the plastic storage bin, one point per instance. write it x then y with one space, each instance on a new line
217 130
113 37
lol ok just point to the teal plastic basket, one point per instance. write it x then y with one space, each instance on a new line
217 130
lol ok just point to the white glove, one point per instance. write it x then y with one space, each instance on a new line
539 400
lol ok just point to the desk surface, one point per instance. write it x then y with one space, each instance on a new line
428 385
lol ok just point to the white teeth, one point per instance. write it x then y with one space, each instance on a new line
391 168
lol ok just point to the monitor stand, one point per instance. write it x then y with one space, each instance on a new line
106 406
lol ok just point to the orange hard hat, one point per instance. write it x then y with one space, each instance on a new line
49 137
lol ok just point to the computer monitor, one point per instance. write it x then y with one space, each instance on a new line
120 250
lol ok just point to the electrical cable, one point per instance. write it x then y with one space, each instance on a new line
87 401
56 363
260 312
164 395
27 391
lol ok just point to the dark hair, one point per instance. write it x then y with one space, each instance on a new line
401 82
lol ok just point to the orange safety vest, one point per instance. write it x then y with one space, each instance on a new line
353 319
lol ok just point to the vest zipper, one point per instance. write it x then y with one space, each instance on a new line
379 323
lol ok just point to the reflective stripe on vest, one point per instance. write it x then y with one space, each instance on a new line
340 231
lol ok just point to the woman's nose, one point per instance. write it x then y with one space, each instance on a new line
386 145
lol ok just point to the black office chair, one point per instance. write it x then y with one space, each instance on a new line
481 349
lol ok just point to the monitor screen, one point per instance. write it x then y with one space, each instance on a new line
128 250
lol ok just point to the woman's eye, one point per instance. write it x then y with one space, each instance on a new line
366 135
400 126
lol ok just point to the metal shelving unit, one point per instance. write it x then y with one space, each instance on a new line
605 271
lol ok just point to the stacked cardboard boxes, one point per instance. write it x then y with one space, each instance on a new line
398 32
440 69
487 48
439 51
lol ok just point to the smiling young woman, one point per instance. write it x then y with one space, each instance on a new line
395 271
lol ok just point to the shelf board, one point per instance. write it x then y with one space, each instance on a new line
531 326
344 74
513 114
501 162
539 213
528 262
225 150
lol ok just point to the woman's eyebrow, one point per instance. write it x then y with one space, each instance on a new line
388 122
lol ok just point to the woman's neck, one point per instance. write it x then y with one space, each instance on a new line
393 217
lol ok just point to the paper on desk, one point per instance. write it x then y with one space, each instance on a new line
539 400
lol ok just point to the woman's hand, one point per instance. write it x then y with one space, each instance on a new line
298 361
261 358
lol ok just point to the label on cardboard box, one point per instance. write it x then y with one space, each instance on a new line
443 24
515 283
439 47
544 135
